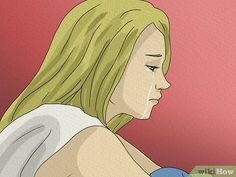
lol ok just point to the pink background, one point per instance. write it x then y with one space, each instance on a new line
195 122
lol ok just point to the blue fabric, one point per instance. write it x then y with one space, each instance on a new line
169 172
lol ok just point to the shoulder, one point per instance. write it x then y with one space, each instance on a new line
81 149
97 145
91 143
94 135
95 151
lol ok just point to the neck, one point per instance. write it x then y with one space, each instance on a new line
112 111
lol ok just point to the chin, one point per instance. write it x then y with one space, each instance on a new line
143 117
139 115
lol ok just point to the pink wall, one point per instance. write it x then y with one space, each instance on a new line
195 122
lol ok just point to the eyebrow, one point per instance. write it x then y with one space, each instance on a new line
154 55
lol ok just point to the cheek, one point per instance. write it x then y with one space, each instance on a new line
136 88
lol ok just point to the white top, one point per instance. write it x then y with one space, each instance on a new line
32 138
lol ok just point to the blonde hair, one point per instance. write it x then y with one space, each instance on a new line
88 56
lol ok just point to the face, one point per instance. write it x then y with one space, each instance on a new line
143 80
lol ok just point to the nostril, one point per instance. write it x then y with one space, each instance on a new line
156 87
164 86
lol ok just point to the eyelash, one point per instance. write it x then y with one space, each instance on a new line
152 68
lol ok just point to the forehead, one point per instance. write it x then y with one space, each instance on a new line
151 40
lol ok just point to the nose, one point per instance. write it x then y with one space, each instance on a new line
162 83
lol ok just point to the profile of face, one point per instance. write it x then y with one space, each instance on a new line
143 80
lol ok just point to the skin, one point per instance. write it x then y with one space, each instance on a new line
89 152
144 162
139 83
95 151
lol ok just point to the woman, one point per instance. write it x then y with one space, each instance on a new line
105 66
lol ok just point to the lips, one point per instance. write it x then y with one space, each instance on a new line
154 99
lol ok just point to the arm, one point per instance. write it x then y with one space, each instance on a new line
95 151
148 165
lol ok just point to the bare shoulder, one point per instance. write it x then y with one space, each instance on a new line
94 151
93 131
92 135
101 152
56 166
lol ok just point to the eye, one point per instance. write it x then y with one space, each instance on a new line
152 68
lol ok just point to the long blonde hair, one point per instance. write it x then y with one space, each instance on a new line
88 56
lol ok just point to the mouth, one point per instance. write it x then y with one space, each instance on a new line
155 100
